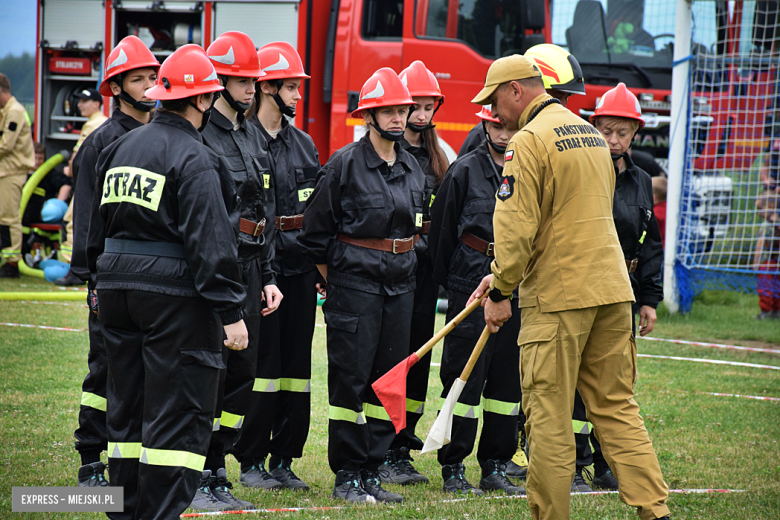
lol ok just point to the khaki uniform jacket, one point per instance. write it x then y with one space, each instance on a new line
89 126
16 145
553 222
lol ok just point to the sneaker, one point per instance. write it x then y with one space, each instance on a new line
281 471
349 487
494 479
9 270
69 280
255 476
204 499
373 486
391 472
404 461
454 476
220 488
579 484
92 475
606 480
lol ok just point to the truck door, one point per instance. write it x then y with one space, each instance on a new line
458 40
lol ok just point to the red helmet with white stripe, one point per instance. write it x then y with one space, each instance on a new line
382 89
187 72
280 60
486 114
233 54
129 54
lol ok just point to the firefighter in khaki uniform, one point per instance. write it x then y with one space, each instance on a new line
555 237
16 160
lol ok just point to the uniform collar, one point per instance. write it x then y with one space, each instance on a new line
282 135
406 145
533 105
223 122
173 119
374 161
489 166
7 107
97 115
127 122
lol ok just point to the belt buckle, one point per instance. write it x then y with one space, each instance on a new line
632 265
396 241
258 228
282 223
491 248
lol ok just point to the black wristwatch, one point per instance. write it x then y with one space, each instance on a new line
496 296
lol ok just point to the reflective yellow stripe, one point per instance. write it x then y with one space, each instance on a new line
93 401
10 252
463 410
266 385
413 406
215 427
580 426
182 459
231 420
642 240
124 450
500 407
343 414
375 412
288 384
431 203
39 191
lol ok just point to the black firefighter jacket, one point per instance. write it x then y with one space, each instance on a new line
294 166
84 179
244 152
160 184
632 209
465 203
423 157
359 195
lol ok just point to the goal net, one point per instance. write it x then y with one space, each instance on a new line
729 214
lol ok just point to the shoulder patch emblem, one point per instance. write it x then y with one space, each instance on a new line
506 189
509 155
12 126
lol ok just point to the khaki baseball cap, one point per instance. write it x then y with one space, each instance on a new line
505 69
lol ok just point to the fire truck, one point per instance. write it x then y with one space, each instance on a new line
343 41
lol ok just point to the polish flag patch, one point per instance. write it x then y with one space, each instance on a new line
510 154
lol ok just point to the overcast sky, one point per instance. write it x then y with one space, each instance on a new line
17 27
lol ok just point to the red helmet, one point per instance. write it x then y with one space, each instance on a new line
233 54
280 60
187 72
382 89
619 102
129 54
420 81
486 114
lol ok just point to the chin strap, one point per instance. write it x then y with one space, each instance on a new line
141 106
420 129
390 136
207 112
616 158
239 107
497 148
284 109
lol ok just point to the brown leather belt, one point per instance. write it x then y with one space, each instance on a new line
395 246
289 223
631 265
252 228
426 225
476 243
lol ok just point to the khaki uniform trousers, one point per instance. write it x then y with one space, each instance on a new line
66 248
10 220
593 350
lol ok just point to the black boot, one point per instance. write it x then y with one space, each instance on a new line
454 476
92 475
579 484
9 270
494 479
220 488
281 471
391 472
349 487
605 480
373 487
404 461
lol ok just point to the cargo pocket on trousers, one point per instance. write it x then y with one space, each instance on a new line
198 380
539 346
343 348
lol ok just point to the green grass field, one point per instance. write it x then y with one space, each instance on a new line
702 441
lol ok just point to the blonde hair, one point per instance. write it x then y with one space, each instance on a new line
611 122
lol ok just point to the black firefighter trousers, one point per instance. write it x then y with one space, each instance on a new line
163 368
495 377
368 334
423 323
91 433
236 381
279 413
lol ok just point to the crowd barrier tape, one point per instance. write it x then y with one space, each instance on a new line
713 361
713 345
757 397
26 326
